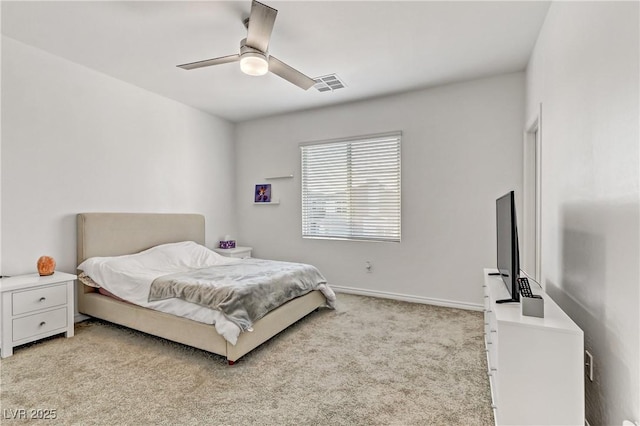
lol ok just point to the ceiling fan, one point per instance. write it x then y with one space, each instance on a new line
254 57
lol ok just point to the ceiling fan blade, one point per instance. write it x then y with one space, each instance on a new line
261 22
292 75
210 62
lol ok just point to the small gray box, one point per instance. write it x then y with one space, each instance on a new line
532 306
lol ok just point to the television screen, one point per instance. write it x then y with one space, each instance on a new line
508 262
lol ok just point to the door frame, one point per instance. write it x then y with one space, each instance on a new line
532 193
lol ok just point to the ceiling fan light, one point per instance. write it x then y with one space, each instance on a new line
254 63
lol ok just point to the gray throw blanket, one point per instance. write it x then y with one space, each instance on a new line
243 291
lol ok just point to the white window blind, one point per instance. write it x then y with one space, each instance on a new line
351 188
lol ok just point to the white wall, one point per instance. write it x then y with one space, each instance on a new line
584 71
461 149
74 140
1 102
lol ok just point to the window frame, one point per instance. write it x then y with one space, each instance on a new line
396 231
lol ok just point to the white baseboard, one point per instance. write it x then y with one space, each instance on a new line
408 298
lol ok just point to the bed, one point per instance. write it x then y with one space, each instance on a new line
115 234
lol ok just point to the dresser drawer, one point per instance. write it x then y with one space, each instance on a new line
36 324
38 298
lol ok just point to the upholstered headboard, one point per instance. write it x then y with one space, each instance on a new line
112 234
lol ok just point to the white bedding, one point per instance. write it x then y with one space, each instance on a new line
130 276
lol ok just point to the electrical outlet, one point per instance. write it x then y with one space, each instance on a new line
588 365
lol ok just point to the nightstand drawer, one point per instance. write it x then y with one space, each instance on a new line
38 298
36 324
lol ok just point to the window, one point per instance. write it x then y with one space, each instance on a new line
351 188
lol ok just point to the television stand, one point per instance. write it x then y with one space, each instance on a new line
535 365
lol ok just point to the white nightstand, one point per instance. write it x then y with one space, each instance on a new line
239 252
34 307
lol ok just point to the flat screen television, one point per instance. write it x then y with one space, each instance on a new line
508 259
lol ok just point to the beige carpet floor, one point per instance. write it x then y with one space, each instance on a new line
369 362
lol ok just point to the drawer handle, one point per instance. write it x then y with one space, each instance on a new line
42 299
43 323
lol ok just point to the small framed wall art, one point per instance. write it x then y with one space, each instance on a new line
263 193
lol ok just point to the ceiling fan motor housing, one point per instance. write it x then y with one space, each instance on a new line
252 61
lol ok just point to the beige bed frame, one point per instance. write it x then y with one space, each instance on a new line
112 234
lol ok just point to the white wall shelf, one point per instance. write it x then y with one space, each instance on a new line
267 204
279 177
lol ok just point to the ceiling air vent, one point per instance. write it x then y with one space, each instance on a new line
328 83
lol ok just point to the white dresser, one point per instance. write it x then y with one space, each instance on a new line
535 365
34 307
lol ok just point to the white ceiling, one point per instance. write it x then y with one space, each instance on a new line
376 47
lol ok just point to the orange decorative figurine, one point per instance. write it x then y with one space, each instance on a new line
46 265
